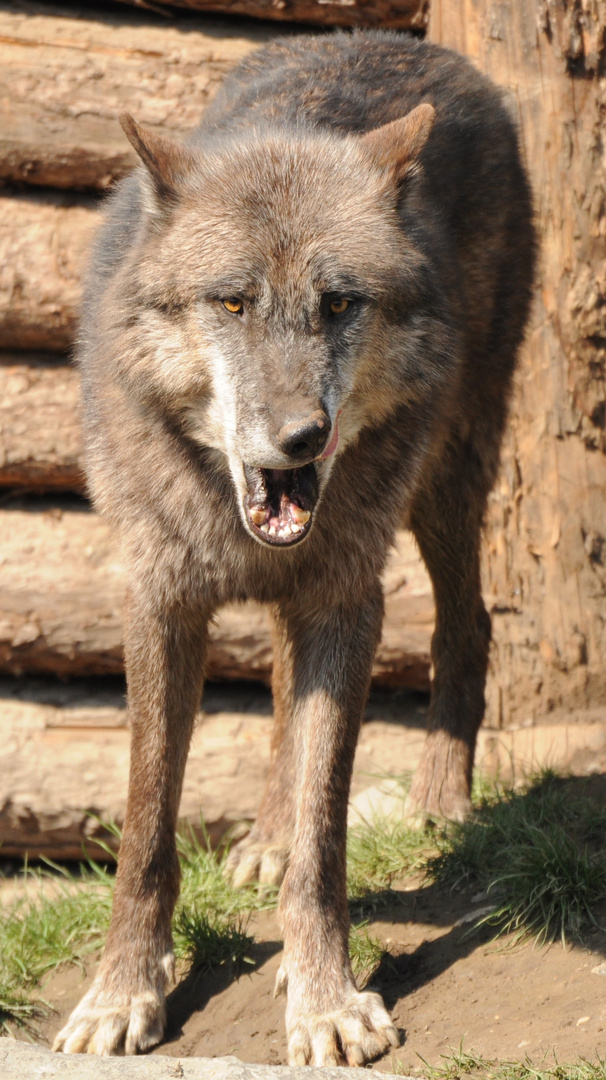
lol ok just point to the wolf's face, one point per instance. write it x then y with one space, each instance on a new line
277 285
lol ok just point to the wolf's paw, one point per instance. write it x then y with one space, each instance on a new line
440 786
110 1021
420 809
358 1032
252 860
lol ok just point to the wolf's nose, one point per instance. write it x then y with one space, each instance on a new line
305 438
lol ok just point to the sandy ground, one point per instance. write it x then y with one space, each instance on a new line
441 984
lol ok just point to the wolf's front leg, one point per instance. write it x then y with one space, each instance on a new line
328 1021
124 1010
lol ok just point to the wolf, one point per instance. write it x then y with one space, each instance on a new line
300 330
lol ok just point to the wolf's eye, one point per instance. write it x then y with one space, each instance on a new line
235 307
339 306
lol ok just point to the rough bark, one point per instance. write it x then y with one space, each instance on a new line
61 594
545 566
65 77
44 241
390 14
40 438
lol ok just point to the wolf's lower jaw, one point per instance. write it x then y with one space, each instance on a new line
280 502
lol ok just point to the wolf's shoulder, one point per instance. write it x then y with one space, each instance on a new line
350 82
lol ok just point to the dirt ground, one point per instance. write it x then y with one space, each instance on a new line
441 984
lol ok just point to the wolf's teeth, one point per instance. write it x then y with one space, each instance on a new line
258 516
300 516
265 528
272 530
285 530
295 528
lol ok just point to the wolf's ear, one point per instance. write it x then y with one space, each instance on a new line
397 145
166 160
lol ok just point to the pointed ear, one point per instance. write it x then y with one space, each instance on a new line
166 160
397 145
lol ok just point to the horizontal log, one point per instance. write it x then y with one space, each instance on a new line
389 14
65 78
62 588
44 243
40 437
64 752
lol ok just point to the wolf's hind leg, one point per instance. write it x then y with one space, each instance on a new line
263 854
124 1010
446 519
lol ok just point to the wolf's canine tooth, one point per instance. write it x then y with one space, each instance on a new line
257 516
300 516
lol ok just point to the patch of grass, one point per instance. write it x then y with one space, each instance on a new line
211 917
384 850
16 1010
209 940
366 953
60 918
536 852
463 1065
204 885
63 918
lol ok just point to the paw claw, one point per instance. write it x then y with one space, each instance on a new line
355 1056
392 1037
108 1022
358 1032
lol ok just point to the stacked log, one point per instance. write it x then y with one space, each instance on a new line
40 437
64 79
388 14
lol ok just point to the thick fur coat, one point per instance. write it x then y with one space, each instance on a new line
300 330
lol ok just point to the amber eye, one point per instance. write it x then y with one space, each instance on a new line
338 306
235 307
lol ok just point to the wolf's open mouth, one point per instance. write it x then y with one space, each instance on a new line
280 502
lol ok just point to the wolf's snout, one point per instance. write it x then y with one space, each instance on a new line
305 439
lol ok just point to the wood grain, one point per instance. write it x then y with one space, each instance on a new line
44 244
65 77
545 566
389 14
40 436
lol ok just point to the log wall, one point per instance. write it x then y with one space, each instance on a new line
65 77
62 590
40 437
388 14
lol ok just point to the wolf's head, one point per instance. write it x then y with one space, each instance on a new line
279 290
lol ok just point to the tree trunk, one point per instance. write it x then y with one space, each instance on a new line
40 438
64 82
44 244
62 589
388 14
545 565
